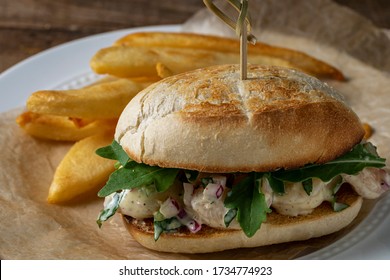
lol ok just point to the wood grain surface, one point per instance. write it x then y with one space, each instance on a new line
30 26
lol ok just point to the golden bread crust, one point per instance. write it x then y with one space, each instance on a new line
209 120
278 229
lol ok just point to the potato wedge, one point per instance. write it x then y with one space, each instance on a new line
294 58
101 101
62 128
178 40
163 71
129 61
81 171
126 61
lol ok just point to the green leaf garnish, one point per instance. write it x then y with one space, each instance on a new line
167 225
308 185
114 151
250 203
136 175
276 185
338 206
229 216
110 209
361 156
191 175
206 180
338 184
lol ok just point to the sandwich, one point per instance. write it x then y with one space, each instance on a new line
207 162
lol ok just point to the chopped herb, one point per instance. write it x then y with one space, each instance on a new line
229 216
110 209
276 185
206 180
250 203
339 182
338 206
191 175
308 185
167 225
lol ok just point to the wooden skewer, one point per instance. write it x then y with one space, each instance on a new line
243 53
241 26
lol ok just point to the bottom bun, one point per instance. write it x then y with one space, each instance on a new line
278 229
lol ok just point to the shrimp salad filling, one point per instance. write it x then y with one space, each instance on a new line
176 198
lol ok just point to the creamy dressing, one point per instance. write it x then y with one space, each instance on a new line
208 212
202 206
295 201
142 203
138 204
370 183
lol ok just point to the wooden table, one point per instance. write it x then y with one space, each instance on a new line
30 26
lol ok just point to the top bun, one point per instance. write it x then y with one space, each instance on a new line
210 120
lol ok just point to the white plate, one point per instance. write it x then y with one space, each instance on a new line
67 66
370 240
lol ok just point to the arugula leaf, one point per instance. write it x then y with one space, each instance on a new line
361 156
250 203
338 184
114 151
308 185
110 209
136 175
276 185
337 206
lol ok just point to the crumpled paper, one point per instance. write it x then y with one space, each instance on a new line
32 229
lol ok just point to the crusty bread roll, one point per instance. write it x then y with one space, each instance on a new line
278 229
210 120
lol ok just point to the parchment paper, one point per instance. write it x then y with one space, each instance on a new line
32 229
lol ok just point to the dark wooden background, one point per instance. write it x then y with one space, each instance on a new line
30 26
